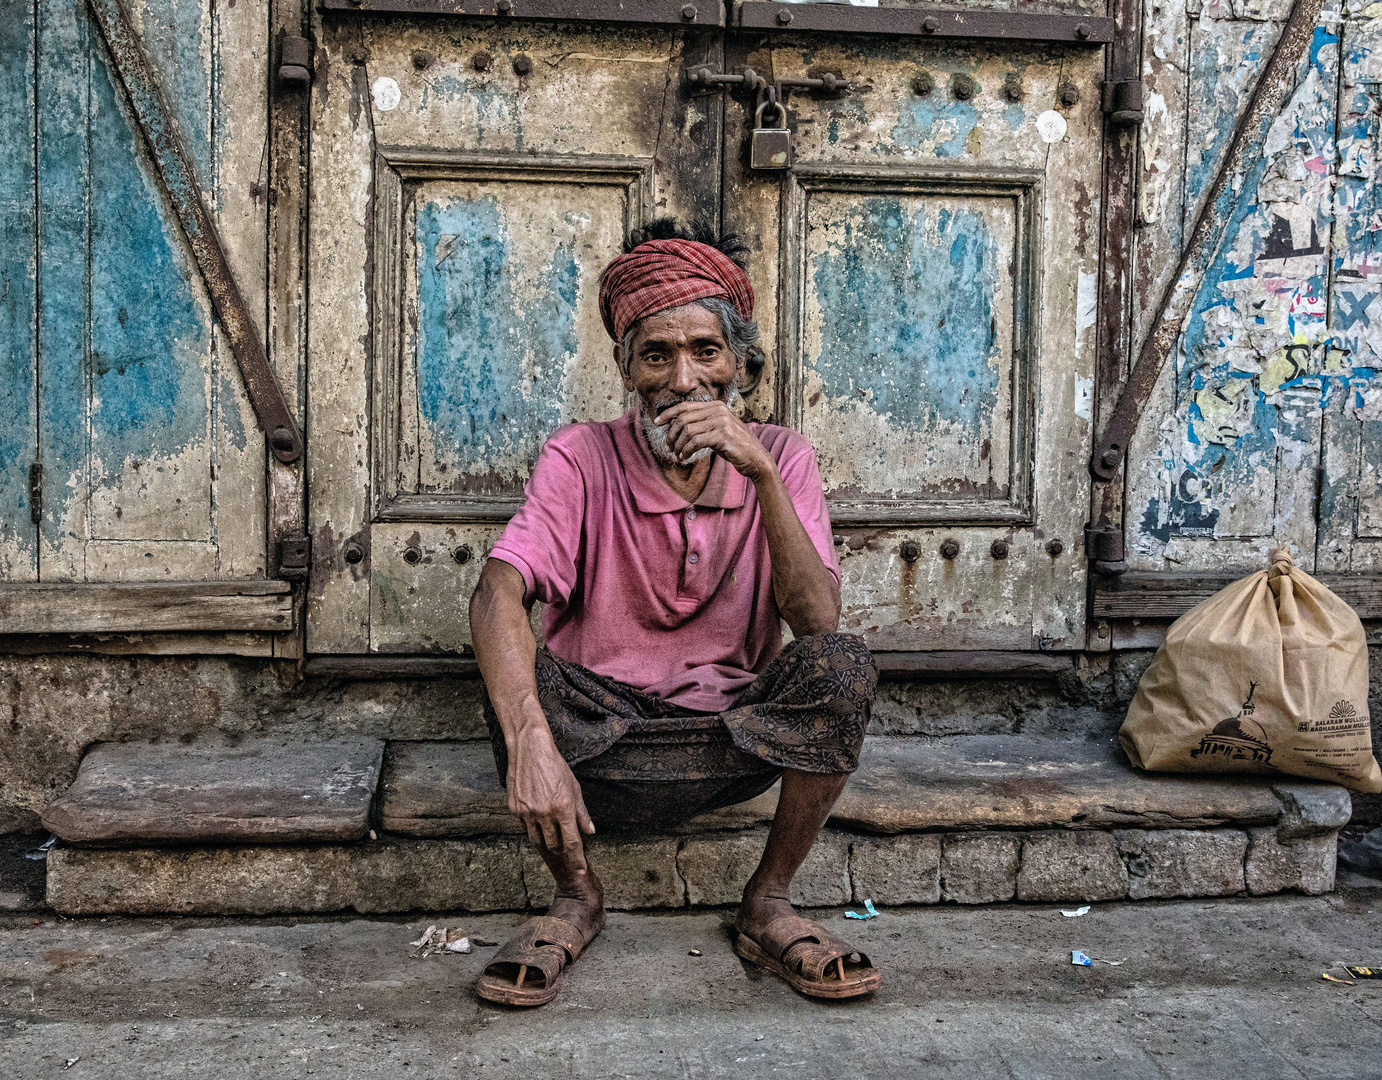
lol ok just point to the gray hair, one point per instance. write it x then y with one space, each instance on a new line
741 334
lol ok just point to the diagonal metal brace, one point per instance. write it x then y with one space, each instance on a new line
179 181
1271 94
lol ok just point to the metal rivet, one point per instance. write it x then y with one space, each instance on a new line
949 549
422 59
688 12
999 549
784 17
1082 31
1012 87
923 84
522 65
963 87
1111 457
282 439
462 554
930 24
503 6
1069 95
1054 548
910 550
354 553
359 54
481 61
412 555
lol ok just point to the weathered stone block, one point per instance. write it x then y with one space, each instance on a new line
717 867
1183 862
270 879
1274 865
979 869
896 869
255 791
1071 866
444 789
1311 809
635 873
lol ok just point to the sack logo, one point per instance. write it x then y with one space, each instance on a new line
1343 719
1239 738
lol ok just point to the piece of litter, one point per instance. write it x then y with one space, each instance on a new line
70 1062
1363 972
484 943
870 912
1334 978
359 1006
39 854
1079 959
438 939
694 952
373 835
1076 913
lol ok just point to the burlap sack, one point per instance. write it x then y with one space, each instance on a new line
1267 676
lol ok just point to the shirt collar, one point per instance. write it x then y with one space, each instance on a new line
725 489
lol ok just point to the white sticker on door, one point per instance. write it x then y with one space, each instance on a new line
1051 126
386 96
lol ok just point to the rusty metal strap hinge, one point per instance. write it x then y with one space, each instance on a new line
1122 102
179 181
1273 90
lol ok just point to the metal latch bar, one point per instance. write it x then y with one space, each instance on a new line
174 168
638 12
926 21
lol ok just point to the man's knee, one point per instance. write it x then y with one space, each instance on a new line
846 660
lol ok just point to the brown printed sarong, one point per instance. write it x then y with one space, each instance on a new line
643 761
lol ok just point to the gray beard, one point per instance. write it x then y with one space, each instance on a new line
656 434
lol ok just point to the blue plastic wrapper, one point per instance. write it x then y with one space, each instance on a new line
1079 959
870 912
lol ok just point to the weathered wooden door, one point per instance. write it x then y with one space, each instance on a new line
470 179
930 263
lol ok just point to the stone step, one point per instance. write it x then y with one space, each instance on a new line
960 819
254 791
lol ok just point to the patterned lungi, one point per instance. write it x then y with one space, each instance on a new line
643 762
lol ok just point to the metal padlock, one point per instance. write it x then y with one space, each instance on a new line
771 147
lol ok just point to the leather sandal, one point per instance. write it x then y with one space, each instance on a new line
810 958
528 969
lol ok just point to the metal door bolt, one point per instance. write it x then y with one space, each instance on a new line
522 65
1068 95
910 550
354 553
999 549
949 549
422 59
923 84
963 87
930 24
1054 548
412 555
462 554
503 7
1012 88
359 55
481 61
688 12
784 16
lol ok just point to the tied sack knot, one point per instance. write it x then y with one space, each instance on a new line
1279 563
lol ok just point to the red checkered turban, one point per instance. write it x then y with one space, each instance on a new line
664 274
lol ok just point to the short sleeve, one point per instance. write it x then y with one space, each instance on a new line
802 479
542 541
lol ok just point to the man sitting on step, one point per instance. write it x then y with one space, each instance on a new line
667 546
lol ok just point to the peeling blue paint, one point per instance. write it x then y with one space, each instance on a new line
18 297
914 290
921 119
490 365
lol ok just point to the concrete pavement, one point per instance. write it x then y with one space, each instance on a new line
1216 988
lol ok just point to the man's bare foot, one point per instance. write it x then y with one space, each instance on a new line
758 909
581 903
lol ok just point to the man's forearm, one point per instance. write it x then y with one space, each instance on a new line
803 585
506 650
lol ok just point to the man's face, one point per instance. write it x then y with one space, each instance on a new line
675 356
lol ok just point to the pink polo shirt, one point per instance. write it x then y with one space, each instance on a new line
640 585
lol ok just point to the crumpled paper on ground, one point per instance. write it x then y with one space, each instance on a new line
437 939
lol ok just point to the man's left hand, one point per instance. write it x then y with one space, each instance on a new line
696 425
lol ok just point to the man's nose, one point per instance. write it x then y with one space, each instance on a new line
685 378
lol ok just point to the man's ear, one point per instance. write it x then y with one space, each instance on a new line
623 367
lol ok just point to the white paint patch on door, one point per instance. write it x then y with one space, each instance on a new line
386 94
1050 126
1084 398
1086 301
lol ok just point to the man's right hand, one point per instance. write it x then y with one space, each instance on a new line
545 795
